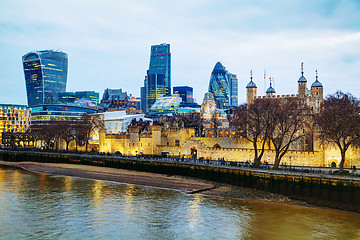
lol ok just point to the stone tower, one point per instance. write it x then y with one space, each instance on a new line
317 93
270 92
251 90
302 89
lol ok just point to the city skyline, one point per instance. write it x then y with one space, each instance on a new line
109 47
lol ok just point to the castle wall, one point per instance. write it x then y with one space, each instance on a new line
298 158
227 148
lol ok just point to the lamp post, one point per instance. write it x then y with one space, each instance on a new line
290 161
350 162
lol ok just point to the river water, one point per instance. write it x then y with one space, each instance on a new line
40 206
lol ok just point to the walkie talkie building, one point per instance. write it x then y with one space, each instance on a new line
45 75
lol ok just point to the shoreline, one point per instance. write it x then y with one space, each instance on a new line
179 183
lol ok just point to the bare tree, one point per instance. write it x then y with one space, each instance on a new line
339 122
67 131
47 133
287 125
254 124
88 124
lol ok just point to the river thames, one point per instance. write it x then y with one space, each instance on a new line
41 206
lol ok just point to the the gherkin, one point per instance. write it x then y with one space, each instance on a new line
224 86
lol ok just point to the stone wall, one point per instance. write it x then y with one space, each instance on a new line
227 148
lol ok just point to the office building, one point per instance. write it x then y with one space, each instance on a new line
72 97
89 95
185 92
158 79
43 114
66 97
45 76
224 86
119 121
13 118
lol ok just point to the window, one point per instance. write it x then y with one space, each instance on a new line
177 142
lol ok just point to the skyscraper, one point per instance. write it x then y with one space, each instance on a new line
158 79
224 86
185 92
45 75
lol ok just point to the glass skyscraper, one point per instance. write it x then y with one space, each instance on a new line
185 92
45 75
158 79
224 86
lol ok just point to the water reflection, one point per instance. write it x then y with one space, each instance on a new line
194 211
56 207
68 185
128 199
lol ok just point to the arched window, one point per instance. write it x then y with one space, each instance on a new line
217 146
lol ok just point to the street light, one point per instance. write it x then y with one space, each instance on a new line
290 161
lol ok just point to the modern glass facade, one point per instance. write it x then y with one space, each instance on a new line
233 90
90 95
185 92
158 80
45 75
42 114
224 86
65 97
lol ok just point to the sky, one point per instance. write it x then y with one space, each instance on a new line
108 42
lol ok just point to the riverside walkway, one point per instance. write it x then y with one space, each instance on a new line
308 171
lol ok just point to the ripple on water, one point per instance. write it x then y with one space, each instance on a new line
56 207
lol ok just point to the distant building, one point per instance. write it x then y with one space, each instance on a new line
45 75
185 92
171 105
71 97
166 104
158 79
115 99
13 118
118 121
224 86
43 114
90 95
66 97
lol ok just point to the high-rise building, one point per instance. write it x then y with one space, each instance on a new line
224 86
185 92
158 79
45 75
233 90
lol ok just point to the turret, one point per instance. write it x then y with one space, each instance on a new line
251 90
317 88
302 89
317 92
270 92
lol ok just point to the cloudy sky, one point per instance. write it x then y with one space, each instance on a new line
108 42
